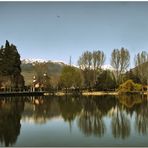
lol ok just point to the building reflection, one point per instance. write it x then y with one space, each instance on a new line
39 110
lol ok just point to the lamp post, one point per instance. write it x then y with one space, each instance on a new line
34 80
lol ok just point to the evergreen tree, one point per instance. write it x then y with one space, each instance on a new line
10 64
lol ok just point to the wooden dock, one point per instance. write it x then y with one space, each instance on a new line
23 93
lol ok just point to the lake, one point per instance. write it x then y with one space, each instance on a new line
74 121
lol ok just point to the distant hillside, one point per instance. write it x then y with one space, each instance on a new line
28 69
54 69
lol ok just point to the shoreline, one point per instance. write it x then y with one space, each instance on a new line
95 93
85 93
99 93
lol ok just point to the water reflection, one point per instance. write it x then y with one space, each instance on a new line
10 116
142 119
70 107
120 124
39 110
91 124
130 100
124 112
139 105
90 120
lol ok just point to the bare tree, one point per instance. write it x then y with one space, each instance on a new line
125 60
81 63
90 62
98 59
85 63
120 60
141 63
85 60
88 59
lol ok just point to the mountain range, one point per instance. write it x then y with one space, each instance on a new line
29 70
54 68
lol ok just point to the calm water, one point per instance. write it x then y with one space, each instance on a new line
74 121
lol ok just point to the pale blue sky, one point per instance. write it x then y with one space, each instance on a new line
58 30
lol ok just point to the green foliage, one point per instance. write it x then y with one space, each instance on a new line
129 86
138 87
131 75
71 76
106 81
10 66
10 60
88 78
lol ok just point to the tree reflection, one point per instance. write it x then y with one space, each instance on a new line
120 123
130 103
139 105
91 124
105 103
120 126
10 116
70 107
90 120
99 127
88 112
141 121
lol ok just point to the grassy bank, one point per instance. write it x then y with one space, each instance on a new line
99 93
94 93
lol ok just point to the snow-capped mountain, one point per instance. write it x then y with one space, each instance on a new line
104 67
58 62
26 61
107 67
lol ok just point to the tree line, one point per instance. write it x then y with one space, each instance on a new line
92 77
89 75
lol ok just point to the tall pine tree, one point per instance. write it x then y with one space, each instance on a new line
10 64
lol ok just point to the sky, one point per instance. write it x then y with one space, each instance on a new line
57 30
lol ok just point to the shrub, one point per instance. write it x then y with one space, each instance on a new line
129 86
